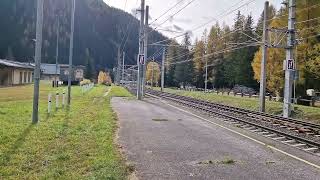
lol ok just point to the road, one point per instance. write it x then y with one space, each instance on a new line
163 142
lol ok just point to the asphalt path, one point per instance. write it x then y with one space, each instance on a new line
163 142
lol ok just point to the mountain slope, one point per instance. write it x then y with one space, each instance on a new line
99 28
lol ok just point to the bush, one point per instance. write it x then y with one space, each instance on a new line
84 82
104 78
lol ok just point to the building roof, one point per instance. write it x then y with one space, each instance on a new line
74 66
49 69
16 64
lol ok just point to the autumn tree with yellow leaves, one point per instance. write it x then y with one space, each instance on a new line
153 73
104 78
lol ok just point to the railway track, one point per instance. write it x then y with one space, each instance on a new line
293 132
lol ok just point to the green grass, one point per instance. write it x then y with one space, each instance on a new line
75 143
301 112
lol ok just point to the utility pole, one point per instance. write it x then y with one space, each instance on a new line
57 51
71 51
206 80
118 75
123 56
206 75
289 69
152 75
162 69
35 112
263 81
141 52
145 48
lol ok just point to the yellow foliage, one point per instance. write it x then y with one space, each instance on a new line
104 78
84 82
275 73
153 70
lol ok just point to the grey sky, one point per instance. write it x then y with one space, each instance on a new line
196 14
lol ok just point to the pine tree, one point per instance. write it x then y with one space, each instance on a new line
172 53
89 70
184 71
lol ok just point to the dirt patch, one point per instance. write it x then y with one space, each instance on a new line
270 162
226 161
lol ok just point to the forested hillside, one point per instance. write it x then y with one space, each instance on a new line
233 53
99 29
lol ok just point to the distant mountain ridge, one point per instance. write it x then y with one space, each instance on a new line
99 29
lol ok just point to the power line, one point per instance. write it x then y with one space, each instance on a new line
299 22
214 53
309 37
300 10
126 37
166 12
169 30
224 14
221 14
221 38
172 16
125 5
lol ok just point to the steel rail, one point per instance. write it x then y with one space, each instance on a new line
206 106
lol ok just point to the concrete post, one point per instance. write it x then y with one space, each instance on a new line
289 72
71 51
263 82
35 115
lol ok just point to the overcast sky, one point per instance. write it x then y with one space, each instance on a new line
195 14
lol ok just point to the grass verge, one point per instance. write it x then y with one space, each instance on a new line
311 114
74 143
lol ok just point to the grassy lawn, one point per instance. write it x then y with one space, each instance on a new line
301 112
75 143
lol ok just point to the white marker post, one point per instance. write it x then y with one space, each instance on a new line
57 100
49 103
63 98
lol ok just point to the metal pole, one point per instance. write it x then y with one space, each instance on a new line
35 116
162 69
71 51
138 79
152 75
118 67
57 52
141 51
123 56
145 48
289 72
263 81
203 59
206 80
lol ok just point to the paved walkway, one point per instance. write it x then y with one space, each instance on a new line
165 143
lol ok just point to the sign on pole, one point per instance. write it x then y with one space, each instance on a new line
141 59
290 64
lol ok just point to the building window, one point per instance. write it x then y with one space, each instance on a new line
25 77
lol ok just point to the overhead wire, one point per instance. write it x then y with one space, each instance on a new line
224 13
214 53
171 16
126 37
175 5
